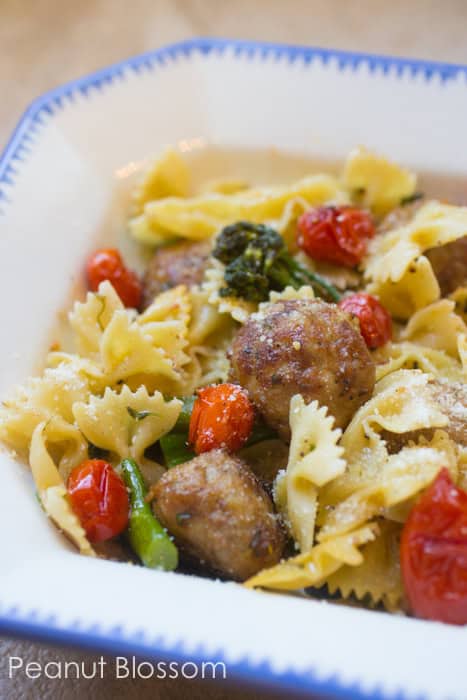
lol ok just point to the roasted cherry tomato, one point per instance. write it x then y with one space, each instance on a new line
99 498
337 235
434 553
375 322
107 264
222 416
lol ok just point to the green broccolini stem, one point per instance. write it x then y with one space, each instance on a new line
147 537
175 448
174 445
321 287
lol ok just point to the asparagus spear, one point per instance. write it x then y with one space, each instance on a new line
176 449
147 537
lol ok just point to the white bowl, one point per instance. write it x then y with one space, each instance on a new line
57 192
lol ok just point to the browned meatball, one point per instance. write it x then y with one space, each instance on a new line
219 513
303 347
180 263
449 263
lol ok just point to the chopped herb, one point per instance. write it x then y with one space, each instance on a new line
411 198
139 415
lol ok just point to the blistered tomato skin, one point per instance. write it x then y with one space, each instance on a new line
107 264
434 553
99 498
337 235
375 322
222 417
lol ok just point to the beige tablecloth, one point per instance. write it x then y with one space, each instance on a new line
46 42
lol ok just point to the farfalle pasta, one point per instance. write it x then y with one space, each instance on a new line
378 577
51 485
201 217
126 423
315 458
279 398
397 269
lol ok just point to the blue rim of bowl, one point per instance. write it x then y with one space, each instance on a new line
115 641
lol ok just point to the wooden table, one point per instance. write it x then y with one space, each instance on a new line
46 42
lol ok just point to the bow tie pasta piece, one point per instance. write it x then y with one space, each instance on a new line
49 482
126 423
459 297
168 176
171 305
127 351
416 288
288 294
209 337
167 320
200 217
398 272
40 399
225 186
286 225
124 344
89 319
69 449
151 345
314 567
402 402
436 326
314 459
376 182
411 356
378 576
399 479
206 320
208 365
209 362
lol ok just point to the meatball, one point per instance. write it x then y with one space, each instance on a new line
303 347
219 513
449 263
180 263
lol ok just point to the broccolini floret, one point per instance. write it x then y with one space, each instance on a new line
257 262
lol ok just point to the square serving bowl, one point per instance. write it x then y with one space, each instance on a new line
58 178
